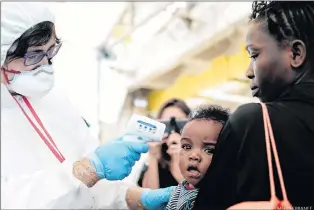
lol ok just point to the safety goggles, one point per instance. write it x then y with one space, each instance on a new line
32 58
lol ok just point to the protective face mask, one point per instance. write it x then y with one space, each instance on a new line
33 84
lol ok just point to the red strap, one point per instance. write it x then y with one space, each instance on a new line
271 146
10 71
50 143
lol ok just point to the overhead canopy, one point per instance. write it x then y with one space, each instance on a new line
148 44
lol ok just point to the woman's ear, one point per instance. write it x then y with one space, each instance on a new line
298 53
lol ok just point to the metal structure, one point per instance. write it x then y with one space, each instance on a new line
219 25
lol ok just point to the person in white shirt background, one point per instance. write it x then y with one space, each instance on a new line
48 157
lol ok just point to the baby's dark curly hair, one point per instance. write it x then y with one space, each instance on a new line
210 112
287 20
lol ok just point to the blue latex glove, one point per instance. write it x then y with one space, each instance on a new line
114 160
156 199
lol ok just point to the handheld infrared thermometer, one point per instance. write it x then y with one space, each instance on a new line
148 129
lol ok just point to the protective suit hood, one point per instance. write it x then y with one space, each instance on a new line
18 17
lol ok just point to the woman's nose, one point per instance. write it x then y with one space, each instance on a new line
249 72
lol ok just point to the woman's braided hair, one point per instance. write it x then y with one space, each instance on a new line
287 20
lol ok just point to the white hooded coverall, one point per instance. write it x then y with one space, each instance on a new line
31 176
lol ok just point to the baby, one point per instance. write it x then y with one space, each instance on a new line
198 140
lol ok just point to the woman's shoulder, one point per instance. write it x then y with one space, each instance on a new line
248 109
251 113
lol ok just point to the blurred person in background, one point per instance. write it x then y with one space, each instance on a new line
48 157
163 162
280 42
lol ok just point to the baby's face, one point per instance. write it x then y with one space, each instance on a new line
198 140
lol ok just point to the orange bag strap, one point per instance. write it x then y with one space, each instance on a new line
271 145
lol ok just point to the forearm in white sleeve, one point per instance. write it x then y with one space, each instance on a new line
44 189
111 194
104 195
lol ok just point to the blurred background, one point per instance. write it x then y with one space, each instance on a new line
130 57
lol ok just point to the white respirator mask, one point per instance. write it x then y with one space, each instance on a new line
33 84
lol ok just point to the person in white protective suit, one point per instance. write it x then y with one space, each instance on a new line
48 159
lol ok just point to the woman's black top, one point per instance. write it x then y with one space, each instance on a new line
239 168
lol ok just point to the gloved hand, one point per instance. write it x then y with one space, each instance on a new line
155 199
114 160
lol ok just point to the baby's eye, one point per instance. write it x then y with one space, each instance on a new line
209 150
186 146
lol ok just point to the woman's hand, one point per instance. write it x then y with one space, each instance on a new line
140 198
115 159
155 149
174 147
111 161
156 199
